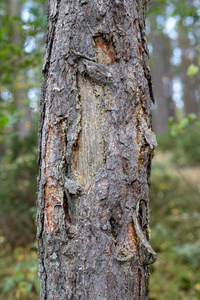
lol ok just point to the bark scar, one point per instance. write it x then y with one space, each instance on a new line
151 255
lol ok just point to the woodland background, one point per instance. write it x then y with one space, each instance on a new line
173 34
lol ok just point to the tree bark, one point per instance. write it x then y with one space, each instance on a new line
95 151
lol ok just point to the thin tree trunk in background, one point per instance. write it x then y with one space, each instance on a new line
19 90
95 151
196 62
162 81
188 84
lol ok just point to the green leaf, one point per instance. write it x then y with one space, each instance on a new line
192 70
197 123
8 285
192 117
174 130
198 47
19 277
37 286
170 121
28 288
3 121
183 124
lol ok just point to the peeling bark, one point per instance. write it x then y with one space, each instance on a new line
95 151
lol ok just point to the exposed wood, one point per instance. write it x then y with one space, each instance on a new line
95 151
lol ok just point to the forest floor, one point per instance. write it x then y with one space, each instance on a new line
175 227
18 273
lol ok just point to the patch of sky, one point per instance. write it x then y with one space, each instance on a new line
176 56
196 3
33 95
26 11
150 48
40 35
29 45
177 92
170 9
6 95
154 106
169 28
187 21
192 38
160 20
31 73
148 27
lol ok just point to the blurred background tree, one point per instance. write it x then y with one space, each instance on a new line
173 30
22 31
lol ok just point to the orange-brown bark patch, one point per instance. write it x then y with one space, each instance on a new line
50 200
132 234
139 50
104 182
132 246
50 195
88 9
105 51
89 189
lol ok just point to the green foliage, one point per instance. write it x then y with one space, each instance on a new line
20 67
8 117
18 171
189 252
174 8
192 117
180 126
175 223
187 151
21 279
185 146
192 70
14 35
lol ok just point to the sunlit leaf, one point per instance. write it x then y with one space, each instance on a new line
8 285
192 117
28 288
170 121
174 130
183 124
3 121
192 70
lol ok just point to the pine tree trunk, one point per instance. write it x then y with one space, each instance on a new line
95 151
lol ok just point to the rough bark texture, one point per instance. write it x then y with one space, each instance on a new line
95 151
